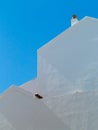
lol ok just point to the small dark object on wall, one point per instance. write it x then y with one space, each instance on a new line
38 96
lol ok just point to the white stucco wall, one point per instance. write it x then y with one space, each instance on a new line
69 61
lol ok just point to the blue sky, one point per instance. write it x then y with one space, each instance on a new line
25 25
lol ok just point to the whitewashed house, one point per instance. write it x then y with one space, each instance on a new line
67 75
68 63
66 84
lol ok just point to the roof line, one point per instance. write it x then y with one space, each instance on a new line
70 27
96 19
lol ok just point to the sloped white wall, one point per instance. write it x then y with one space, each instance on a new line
70 61
24 112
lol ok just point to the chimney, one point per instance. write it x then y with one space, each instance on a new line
74 20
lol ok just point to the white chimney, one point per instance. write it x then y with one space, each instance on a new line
74 20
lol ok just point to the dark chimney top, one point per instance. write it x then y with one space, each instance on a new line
74 16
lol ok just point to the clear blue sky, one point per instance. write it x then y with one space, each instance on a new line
26 25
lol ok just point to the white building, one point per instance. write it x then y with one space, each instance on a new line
67 79
68 75
68 63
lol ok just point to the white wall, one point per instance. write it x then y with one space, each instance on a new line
70 60
24 112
